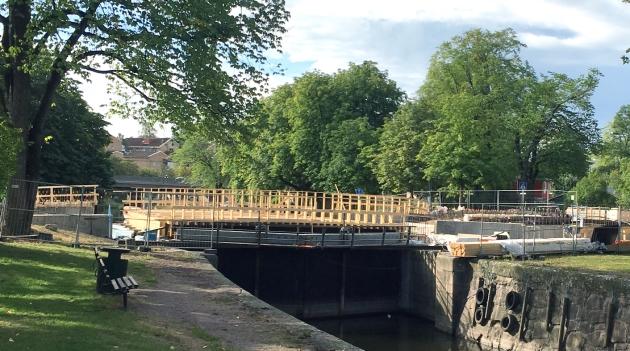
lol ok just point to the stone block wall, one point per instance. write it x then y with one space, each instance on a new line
597 309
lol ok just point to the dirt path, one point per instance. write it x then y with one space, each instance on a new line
193 299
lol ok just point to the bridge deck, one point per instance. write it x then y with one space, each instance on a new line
155 208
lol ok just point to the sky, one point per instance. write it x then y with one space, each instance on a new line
564 36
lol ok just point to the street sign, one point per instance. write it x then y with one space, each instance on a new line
522 185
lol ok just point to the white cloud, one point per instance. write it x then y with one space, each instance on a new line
401 35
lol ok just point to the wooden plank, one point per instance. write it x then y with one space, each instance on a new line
133 281
115 284
128 282
121 283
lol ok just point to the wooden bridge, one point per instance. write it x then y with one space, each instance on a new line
167 207
66 196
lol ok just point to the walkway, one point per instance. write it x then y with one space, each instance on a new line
190 294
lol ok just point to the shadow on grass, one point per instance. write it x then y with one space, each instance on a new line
48 301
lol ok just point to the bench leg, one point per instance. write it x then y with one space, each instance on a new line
125 300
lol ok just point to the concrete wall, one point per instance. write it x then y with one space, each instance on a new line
489 228
417 288
64 210
90 224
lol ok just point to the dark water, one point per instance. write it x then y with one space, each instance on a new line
393 333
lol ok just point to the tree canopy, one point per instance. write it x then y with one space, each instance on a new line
395 157
611 169
472 86
196 160
187 62
497 120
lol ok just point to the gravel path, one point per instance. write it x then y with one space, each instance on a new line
190 295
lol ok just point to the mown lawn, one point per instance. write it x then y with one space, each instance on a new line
603 263
48 302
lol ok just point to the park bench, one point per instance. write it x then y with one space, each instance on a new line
115 285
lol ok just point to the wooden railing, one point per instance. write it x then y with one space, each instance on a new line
66 196
270 206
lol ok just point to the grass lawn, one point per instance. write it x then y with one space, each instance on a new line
604 263
48 302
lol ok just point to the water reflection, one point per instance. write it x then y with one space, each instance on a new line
391 333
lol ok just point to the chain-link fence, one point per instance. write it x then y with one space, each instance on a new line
498 199
47 211
194 219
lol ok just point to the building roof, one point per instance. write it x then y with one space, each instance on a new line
147 182
142 154
146 142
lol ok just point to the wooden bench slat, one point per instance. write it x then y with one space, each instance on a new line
115 285
133 281
121 283
128 282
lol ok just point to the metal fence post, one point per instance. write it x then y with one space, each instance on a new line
148 226
3 211
481 233
76 239
498 199
110 220
618 224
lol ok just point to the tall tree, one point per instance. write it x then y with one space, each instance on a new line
496 120
556 130
190 62
616 145
471 86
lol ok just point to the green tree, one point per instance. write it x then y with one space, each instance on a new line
346 166
74 148
593 190
290 141
470 86
497 120
621 184
121 167
556 130
189 62
196 160
395 159
616 144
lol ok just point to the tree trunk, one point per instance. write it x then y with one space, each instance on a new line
20 204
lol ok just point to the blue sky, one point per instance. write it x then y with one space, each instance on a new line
400 35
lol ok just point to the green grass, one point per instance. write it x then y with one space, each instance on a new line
602 263
48 302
